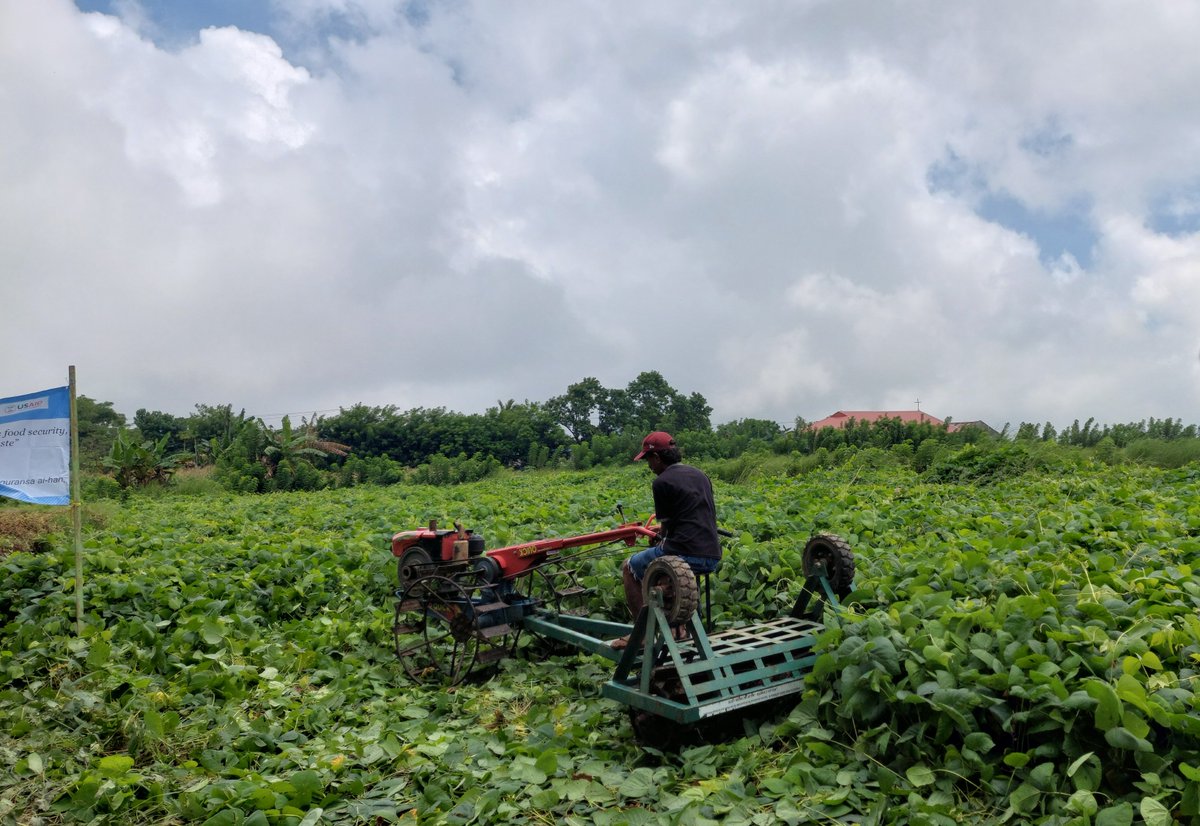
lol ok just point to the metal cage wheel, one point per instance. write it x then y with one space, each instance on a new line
677 582
838 560
435 631
559 592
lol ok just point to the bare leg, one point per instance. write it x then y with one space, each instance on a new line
633 591
633 598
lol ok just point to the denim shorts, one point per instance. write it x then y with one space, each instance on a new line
639 562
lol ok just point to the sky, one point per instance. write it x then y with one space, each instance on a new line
791 208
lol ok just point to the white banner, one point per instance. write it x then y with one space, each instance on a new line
35 447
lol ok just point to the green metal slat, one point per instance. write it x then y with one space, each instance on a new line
735 668
655 705
557 631
700 645
786 628
599 627
772 650
742 678
772 692
752 680
691 713
737 658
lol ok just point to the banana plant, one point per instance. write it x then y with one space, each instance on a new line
288 444
134 464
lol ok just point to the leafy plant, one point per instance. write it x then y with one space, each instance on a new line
286 446
1008 654
260 458
133 463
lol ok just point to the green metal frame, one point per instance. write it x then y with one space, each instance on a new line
585 633
730 670
710 675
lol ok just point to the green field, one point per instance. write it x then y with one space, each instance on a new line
1020 652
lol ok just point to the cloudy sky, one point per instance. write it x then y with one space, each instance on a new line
789 207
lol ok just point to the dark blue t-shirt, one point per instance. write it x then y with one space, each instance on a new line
683 504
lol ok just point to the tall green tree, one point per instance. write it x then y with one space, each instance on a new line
653 401
691 413
647 403
98 427
367 431
155 424
578 410
216 422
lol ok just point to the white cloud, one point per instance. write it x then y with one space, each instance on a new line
453 204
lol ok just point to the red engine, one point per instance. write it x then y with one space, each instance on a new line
421 550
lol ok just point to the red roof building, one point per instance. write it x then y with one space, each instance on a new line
840 418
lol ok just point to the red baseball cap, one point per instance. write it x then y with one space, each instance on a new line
656 441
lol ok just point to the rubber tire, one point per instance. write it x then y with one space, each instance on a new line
838 558
681 596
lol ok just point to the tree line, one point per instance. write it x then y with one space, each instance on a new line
587 425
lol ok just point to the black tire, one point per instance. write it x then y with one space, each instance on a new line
838 559
676 580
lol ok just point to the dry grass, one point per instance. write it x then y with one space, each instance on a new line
29 529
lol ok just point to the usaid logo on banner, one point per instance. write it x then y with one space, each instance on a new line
13 408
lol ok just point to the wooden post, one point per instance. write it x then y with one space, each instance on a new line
76 516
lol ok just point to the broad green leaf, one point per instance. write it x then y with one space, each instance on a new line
1108 708
211 632
639 785
1123 738
979 741
883 652
1077 762
115 765
920 775
1131 690
99 654
1137 726
1024 798
547 764
1189 803
1119 815
306 785
1042 776
153 722
1083 803
1154 813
